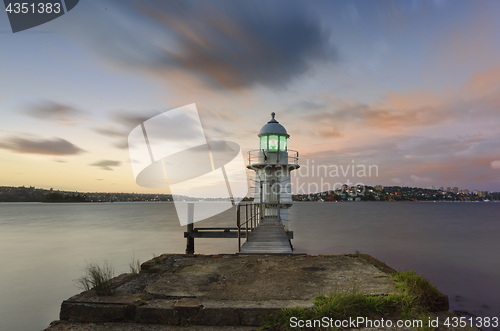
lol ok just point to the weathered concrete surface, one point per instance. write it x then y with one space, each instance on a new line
267 277
220 290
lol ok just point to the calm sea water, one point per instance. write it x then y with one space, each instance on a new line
44 247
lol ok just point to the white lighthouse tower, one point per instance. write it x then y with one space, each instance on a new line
272 163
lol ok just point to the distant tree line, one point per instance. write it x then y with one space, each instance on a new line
58 197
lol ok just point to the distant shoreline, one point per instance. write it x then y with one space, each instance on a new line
298 201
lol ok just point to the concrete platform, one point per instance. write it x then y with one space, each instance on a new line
220 290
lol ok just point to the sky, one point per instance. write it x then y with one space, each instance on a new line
409 87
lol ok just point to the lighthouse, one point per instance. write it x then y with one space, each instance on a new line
272 163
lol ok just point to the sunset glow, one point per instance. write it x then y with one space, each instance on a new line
412 87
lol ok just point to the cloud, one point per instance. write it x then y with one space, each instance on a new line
495 165
122 144
399 120
131 120
418 179
476 101
465 160
400 111
121 124
427 147
306 105
233 45
56 146
110 132
484 88
219 115
238 46
330 133
106 164
176 128
394 113
396 180
55 111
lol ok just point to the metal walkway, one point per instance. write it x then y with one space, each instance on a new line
262 236
269 237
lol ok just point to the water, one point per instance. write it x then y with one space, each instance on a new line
45 246
455 246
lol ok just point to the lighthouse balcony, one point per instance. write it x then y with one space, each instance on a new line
258 158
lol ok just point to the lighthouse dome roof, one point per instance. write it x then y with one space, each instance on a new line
273 127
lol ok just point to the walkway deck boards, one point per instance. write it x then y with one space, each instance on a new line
268 237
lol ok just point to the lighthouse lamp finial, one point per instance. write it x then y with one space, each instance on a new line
273 120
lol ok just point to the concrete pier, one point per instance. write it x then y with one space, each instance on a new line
232 292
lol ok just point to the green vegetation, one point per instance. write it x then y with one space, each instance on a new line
413 300
341 306
156 259
143 298
97 278
135 266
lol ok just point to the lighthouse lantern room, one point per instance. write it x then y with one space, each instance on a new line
272 164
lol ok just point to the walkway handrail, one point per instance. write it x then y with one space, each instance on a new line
252 215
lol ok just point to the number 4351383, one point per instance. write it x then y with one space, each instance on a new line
40 8
486 322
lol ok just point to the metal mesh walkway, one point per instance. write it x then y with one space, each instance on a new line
268 237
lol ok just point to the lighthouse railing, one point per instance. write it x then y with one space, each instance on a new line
252 215
253 157
293 157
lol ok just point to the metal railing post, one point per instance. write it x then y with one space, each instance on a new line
246 223
256 216
251 221
261 202
278 207
190 229
239 226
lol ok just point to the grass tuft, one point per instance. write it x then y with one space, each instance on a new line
97 278
415 285
135 266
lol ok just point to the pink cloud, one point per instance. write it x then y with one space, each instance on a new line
495 165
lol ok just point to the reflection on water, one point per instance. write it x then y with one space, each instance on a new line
45 246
